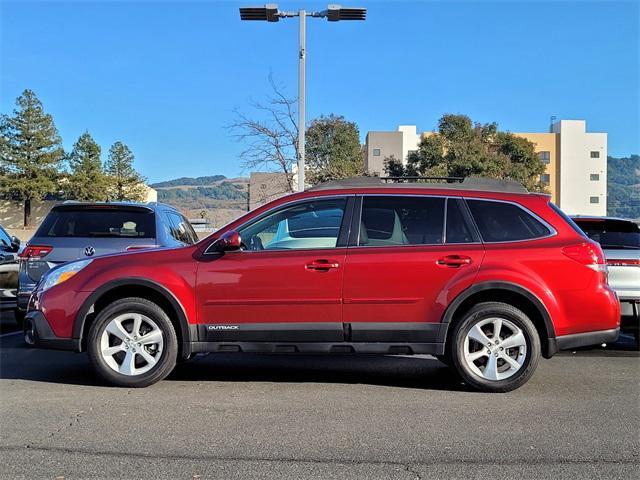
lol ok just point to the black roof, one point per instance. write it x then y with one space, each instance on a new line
454 183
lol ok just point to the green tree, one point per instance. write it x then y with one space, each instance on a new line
87 180
333 149
31 153
125 183
462 148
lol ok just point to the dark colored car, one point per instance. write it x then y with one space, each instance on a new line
482 274
9 247
74 230
620 241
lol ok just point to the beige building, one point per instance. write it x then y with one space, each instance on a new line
576 161
266 186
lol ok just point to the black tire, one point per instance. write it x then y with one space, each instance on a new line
167 360
475 315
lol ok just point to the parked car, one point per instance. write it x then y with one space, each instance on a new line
482 274
620 240
9 247
74 230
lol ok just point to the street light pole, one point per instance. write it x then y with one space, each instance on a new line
301 98
270 13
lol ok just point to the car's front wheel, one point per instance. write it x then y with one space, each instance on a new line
495 347
132 343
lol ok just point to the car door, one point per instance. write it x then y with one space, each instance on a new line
285 284
406 264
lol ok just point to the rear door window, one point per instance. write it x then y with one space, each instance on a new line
396 220
505 222
459 229
98 222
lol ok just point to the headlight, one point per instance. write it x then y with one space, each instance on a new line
62 274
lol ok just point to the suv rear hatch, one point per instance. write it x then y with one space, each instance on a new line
70 232
620 241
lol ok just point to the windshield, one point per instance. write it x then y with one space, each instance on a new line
611 233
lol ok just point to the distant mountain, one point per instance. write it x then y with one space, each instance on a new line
189 181
219 198
623 185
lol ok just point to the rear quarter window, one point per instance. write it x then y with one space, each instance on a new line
98 222
505 222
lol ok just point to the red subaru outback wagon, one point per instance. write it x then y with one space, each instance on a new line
481 274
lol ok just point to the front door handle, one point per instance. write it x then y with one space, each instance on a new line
322 265
454 261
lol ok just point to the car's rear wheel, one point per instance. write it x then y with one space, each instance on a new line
132 343
495 347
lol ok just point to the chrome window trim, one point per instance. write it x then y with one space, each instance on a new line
279 207
553 231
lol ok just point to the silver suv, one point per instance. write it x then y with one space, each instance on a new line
620 240
74 230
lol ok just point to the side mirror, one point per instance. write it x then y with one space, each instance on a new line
15 243
228 242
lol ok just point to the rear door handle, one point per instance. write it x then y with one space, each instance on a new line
322 265
454 261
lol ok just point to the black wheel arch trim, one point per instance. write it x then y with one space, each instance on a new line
81 316
511 287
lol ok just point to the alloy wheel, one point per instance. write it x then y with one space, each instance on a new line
495 348
131 344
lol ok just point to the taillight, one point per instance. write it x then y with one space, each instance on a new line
35 251
590 255
623 262
133 248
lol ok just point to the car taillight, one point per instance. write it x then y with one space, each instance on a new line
133 248
35 251
623 262
590 255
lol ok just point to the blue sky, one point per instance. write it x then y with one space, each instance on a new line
165 77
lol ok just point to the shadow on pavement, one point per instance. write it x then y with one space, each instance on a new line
19 362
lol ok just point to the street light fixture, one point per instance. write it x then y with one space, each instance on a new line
270 13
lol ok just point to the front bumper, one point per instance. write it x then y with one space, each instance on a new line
43 336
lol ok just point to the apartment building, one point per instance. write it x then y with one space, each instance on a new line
576 161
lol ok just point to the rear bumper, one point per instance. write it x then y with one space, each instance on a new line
44 337
576 340
630 315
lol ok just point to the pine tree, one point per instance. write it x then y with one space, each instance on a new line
87 180
125 182
30 153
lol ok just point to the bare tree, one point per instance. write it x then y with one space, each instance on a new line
272 140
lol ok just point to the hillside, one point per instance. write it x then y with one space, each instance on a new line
189 181
219 198
624 187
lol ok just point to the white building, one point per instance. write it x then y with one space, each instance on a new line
576 161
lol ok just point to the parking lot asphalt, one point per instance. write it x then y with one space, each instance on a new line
257 416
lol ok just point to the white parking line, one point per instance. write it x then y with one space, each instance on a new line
9 334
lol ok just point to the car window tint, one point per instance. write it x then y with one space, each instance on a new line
399 220
505 222
458 229
98 222
307 225
611 233
181 229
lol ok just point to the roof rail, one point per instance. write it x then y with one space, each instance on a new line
460 183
